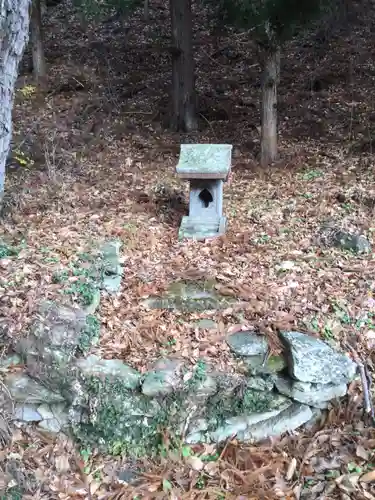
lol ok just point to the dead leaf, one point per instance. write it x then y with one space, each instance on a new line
212 468
291 469
361 452
195 463
62 463
369 477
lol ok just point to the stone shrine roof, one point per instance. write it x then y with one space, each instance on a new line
204 161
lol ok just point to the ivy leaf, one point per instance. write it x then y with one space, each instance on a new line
167 485
186 451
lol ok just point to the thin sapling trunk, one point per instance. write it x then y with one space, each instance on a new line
270 78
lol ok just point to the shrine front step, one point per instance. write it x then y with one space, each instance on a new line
199 229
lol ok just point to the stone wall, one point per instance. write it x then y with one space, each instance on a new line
108 404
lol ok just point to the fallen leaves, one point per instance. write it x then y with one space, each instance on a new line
369 477
268 258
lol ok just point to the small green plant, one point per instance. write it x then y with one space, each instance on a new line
211 458
7 251
86 457
60 276
22 159
84 291
348 207
186 451
27 91
51 260
200 371
310 175
308 483
13 493
341 314
332 474
201 482
167 485
354 468
85 257
315 324
327 333
170 342
263 238
90 334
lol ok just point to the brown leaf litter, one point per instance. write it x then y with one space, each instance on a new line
101 156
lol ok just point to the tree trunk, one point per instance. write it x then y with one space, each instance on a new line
271 70
146 10
183 81
37 47
14 33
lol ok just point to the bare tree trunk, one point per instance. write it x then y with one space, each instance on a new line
270 79
183 80
14 33
43 8
37 46
146 10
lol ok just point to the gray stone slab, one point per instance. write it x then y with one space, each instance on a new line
24 389
317 395
247 343
27 413
200 229
288 420
204 161
164 379
113 369
312 360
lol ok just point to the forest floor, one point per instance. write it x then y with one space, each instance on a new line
93 160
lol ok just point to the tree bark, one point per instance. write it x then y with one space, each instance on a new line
146 10
37 46
14 33
270 79
183 80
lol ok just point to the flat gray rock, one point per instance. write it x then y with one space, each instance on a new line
260 383
51 425
247 343
54 336
354 242
207 324
317 395
165 377
204 388
288 420
236 425
192 296
112 269
24 389
27 413
312 360
113 369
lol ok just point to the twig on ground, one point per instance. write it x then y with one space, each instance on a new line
366 383
187 422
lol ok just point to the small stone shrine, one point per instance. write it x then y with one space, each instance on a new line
206 166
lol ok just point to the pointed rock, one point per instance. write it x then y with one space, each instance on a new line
312 360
